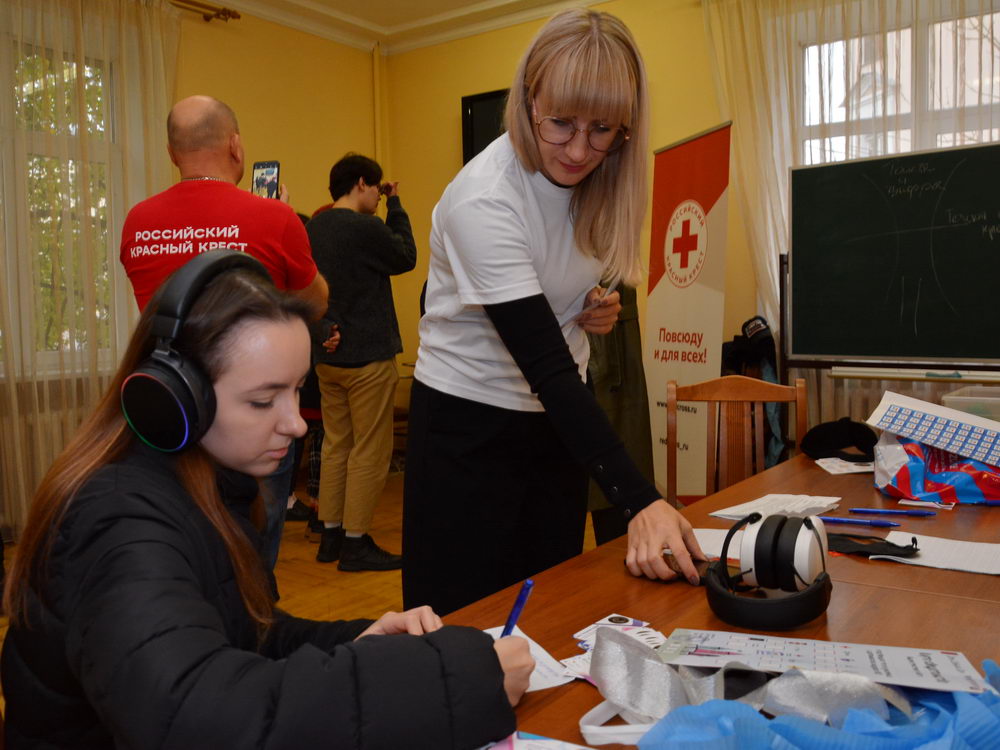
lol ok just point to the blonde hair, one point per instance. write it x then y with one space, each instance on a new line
585 61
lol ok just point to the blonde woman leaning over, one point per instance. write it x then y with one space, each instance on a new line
503 429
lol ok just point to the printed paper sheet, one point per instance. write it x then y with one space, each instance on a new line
908 667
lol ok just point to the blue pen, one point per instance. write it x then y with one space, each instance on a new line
515 611
894 511
858 521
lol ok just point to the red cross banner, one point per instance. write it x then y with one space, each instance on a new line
687 266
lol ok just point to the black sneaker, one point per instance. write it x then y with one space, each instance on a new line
298 512
330 544
361 553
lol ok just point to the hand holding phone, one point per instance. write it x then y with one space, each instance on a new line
265 179
333 340
594 303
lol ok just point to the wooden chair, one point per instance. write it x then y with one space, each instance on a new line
735 448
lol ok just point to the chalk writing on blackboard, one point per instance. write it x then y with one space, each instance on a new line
890 258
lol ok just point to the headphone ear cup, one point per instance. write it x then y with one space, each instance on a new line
168 402
784 554
810 551
765 553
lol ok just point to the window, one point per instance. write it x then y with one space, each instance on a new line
58 153
914 87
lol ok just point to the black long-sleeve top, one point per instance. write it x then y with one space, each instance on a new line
357 254
530 331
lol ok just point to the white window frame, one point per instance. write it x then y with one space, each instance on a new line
14 155
924 123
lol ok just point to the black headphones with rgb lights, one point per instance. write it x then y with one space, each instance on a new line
783 555
167 400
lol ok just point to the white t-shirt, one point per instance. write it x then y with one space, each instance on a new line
499 233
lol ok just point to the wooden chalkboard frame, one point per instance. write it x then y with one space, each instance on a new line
954 159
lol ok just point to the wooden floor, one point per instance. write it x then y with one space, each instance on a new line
321 592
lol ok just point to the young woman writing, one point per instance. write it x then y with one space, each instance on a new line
141 615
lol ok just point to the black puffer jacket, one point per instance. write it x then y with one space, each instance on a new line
141 640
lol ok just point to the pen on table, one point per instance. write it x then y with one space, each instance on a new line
893 512
858 521
515 611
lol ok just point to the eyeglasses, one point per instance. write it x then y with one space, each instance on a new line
559 131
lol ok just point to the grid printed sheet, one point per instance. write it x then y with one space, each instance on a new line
948 429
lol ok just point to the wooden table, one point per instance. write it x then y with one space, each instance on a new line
876 602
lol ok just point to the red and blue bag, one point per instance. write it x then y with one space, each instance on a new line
910 470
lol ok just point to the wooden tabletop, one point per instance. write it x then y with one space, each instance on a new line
878 602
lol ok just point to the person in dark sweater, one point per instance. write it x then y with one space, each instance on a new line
358 252
142 616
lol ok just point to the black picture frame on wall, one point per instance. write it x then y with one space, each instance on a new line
482 121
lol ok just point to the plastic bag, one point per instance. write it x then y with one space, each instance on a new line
910 470
948 721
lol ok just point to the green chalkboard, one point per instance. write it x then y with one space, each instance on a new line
897 259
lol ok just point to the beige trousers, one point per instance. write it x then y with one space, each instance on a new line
357 447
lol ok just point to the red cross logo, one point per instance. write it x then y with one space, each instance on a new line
684 250
686 243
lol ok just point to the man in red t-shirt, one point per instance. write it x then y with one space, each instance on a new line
206 210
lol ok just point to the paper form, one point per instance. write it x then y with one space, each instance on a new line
908 667
579 666
840 466
949 554
796 505
548 672
527 741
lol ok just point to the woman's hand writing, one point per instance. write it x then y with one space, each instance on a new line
517 664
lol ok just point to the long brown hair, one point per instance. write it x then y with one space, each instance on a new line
228 301
583 60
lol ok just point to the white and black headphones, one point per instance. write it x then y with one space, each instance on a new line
785 556
167 400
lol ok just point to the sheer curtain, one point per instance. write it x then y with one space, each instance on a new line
814 81
86 87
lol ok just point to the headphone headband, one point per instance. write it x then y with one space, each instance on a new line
751 518
781 554
186 283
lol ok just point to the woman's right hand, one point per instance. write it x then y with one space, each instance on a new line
517 664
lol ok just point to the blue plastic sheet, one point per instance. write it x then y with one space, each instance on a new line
942 721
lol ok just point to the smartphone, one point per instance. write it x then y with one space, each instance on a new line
264 180
701 566
596 303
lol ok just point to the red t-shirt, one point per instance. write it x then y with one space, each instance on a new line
162 233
